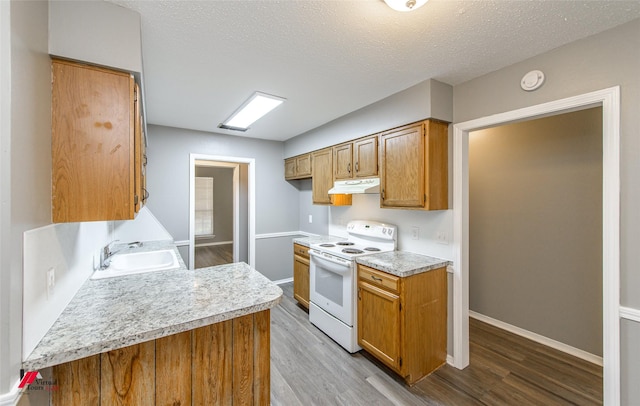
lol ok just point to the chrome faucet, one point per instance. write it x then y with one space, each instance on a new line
106 254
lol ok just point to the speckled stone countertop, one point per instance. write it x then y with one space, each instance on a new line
317 239
402 263
108 314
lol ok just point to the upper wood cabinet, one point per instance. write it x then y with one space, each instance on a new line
322 179
414 170
357 159
321 166
403 321
297 167
97 147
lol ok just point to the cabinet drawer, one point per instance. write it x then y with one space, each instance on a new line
378 278
301 250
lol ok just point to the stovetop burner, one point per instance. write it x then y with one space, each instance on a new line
344 243
352 251
327 245
371 249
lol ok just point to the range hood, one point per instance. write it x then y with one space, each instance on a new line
350 187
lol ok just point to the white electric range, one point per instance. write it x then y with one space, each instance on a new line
333 280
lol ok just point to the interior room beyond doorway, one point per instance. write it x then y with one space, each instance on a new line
535 228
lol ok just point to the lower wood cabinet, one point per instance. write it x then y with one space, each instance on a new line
221 364
301 274
403 321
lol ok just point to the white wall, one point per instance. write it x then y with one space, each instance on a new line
145 227
429 224
26 163
69 249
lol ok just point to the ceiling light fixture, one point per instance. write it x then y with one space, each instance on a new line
251 110
405 5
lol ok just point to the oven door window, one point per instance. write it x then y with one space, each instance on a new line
329 285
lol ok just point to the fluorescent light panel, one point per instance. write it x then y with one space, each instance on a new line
255 107
405 5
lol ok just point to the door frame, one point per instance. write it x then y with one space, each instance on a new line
233 162
609 100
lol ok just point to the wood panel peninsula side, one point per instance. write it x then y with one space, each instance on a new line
168 337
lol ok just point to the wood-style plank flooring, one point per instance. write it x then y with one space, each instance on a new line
308 368
213 255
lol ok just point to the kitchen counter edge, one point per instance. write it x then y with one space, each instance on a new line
402 263
108 314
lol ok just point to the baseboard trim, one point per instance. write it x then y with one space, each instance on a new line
630 313
211 244
450 360
11 398
576 352
283 281
282 234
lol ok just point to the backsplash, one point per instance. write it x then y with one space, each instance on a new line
68 248
430 225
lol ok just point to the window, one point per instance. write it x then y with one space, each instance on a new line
204 207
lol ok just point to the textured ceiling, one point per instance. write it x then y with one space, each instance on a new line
202 59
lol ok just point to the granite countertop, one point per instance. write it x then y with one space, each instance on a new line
402 263
112 313
317 239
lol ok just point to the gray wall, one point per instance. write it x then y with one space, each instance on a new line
601 61
319 213
427 99
98 32
535 228
277 208
25 145
222 202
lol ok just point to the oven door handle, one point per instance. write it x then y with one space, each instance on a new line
333 264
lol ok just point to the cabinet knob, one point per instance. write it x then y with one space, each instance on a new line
382 194
349 167
357 167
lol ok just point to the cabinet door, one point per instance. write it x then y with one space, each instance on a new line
301 280
379 323
322 165
365 157
290 168
303 166
402 179
342 161
92 143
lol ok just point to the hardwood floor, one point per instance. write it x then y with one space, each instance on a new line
213 255
308 368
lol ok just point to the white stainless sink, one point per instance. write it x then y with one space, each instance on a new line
139 262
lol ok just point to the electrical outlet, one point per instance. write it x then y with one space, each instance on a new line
442 238
310 219
415 233
51 281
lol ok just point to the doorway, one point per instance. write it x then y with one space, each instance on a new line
535 230
609 100
216 213
225 224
